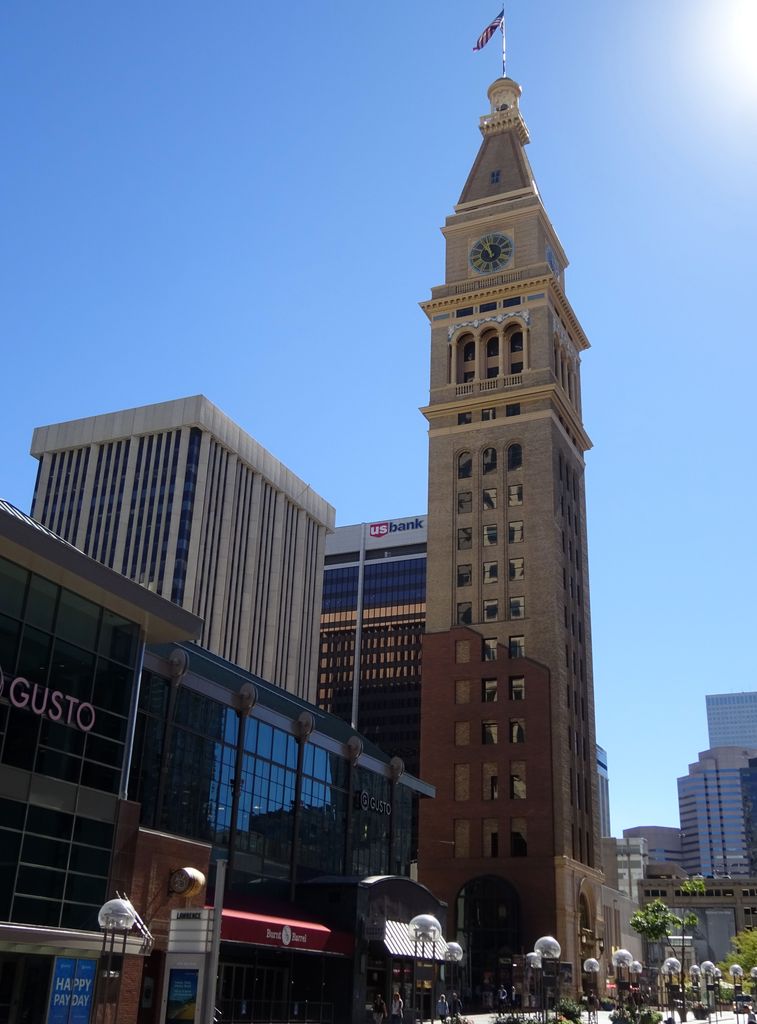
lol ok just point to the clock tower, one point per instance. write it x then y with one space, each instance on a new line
512 840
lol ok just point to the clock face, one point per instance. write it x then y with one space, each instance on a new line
490 253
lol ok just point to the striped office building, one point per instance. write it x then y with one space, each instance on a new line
179 498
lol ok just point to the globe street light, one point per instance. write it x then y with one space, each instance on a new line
423 928
453 956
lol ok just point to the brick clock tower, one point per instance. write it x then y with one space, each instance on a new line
507 736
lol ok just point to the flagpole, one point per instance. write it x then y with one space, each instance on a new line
504 51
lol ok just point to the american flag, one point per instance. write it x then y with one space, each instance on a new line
489 31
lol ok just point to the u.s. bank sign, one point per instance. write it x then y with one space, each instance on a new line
391 526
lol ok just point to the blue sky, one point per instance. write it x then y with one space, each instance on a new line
244 200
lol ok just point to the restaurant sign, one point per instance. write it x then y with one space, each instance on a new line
47 703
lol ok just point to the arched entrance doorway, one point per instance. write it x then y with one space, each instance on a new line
488 928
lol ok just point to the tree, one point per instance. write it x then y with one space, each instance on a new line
656 922
743 952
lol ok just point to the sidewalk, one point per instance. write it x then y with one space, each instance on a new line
603 1017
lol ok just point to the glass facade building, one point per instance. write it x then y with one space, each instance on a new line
372 621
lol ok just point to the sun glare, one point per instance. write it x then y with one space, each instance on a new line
739 41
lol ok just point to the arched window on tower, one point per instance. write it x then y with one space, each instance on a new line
489 460
514 456
466 360
515 352
492 356
464 465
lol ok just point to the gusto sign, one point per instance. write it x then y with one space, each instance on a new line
47 703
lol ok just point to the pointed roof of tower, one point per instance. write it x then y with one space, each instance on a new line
501 165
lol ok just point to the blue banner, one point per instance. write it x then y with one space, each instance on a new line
72 991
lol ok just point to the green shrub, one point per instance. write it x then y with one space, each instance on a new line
569 1009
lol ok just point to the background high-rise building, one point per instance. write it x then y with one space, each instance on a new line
374 613
732 719
663 843
712 813
179 498
603 792
507 724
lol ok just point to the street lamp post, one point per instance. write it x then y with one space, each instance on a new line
708 969
695 973
621 961
753 976
591 970
634 977
423 928
116 918
549 950
672 966
737 974
534 965
453 956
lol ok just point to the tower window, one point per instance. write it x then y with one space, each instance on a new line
489 497
514 532
489 733
487 307
490 572
490 535
517 688
518 838
492 347
491 609
464 538
517 780
517 647
515 494
510 410
469 352
514 456
466 417
494 178
515 569
465 501
517 607
468 376
488 414
468 311
464 465
517 730
516 342
489 649
491 372
464 613
489 460
464 575
489 691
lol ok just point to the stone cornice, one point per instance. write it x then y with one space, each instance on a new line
504 121
551 392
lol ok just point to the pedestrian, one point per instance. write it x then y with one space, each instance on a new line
442 1007
501 998
379 1009
455 1005
396 1008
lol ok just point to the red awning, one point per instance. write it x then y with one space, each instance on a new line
283 933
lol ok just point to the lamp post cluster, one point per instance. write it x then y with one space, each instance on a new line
424 931
544 969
